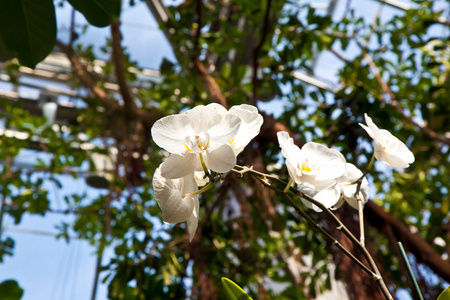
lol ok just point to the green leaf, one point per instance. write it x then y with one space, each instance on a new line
445 295
10 290
5 54
233 291
28 29
99 13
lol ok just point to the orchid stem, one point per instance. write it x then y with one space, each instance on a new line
410 271
370 163
286 189
362 238
263 178
202 190
205 169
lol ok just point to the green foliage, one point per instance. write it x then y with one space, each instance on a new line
6 247
10 290
232 291
445 295
28 29
99 13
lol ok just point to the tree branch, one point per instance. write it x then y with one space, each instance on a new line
198 11
430 133
117 56
213 88
85 78
417 245
146 117
339 225
256 50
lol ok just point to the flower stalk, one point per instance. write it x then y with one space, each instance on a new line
200 191
362 238
375 273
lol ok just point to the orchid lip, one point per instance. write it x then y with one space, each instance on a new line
199 144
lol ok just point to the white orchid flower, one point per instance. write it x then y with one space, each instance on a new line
328 196
200 178
250 126
387 147
205 130
314 164
314 168
175 200
251 122
348 190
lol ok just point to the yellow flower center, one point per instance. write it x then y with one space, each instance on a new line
199 144
305 169
308 166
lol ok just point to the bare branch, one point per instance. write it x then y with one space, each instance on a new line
393 102
416 244
117 56
256 50
146 117
211 84
85 78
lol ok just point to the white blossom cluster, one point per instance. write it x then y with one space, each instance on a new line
207 136
324 174
210 138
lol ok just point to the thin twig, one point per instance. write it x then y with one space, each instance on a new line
146 117
323 232
85 78
340 226
362 238
393 102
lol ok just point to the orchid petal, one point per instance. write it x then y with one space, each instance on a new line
374 128
348 193
328 197
351 175
192 222
251 122
367 129
199 116
216 108
290 151
176 166
222 129
221 160
170 132
174 207
331 162
200 178
387 147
